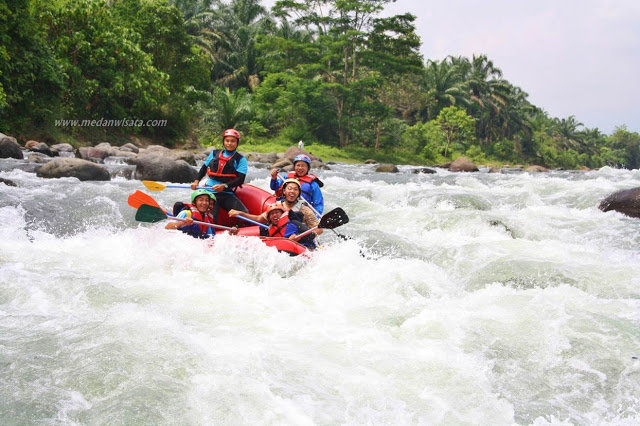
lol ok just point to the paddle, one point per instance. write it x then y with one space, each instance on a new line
157 186
139 198
246 219
333 219
153 214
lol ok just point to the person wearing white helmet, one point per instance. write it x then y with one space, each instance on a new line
309 183
225 169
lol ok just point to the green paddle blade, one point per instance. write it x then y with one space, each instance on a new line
333 219
151 214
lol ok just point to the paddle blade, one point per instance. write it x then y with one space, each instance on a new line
153 186
333 219
150 214
139 198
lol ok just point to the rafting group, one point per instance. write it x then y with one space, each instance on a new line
289 219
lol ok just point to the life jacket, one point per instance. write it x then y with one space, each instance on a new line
296 218
195 230
222 168
305 190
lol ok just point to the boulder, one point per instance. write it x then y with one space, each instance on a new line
9 147
92 153
292 151
156 165
626 201
463 164
187 156
38 158
61 147
370 161
282 163
423 170
129 147
387 168
30 144
73 167
7 182
42 148
536 169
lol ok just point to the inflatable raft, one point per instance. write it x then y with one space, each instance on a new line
257 200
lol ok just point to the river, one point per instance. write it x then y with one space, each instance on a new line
457 298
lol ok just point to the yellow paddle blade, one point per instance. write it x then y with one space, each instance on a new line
153 186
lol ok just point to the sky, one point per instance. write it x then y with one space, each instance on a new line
573 57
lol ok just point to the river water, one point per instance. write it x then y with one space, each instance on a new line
456 299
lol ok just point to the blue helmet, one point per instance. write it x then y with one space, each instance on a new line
302 157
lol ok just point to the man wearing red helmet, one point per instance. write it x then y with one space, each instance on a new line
225 169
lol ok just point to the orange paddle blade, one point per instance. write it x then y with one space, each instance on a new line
139 198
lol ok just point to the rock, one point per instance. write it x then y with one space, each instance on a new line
259 157
282 163
370 161
626 201
156 165
160 150
495 170
130 148
73 167
319 165
292 151
38 158
387 168
9 147
61 147
423 170
30 144
42 148
463 164
106 147
536 169
187 156
7 182
92 153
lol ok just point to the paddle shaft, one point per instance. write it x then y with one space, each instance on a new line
246 219
212 225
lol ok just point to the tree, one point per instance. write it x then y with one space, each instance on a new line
444 87
457 128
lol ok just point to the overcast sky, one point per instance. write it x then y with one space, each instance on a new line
573 57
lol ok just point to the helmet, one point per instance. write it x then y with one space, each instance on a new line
275 206
290 180
199 192
231 132
302 157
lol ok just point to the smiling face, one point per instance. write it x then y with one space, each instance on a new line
291 192
301 168
202 203
274 216
230 143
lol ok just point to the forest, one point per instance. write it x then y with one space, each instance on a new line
330 72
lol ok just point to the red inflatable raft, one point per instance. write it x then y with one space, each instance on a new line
257 200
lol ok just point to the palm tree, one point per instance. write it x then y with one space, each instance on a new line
444 84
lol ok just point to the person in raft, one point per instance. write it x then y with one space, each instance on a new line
291 190
201 202
225 170
282 223
310 184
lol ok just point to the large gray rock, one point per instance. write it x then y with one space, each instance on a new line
61 147
73 167
156 166
42 148
626 201
535 169
463 164
92 153
9 148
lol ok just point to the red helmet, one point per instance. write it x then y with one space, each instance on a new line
231 132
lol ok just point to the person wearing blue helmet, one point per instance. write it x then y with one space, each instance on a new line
309 183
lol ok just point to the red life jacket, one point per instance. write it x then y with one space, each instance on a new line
308 178
196 215
278 229
221 168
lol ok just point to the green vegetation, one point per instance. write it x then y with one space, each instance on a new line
347 81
